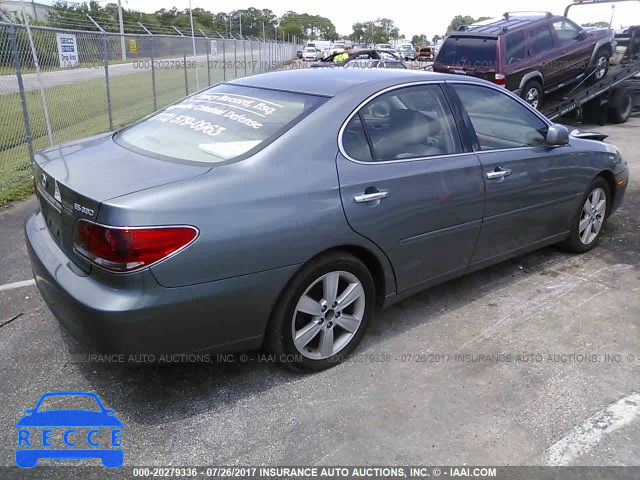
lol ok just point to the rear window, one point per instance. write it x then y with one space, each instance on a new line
218 124
470 52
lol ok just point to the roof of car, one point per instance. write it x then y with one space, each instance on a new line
503 25
332 81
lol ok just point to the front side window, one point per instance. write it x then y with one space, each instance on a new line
499 120
566 31
540 39
411 122
218 124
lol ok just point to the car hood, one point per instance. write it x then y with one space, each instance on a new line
69 418
585 134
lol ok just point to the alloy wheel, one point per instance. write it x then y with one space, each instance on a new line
592 216
601 67
328 315
533 97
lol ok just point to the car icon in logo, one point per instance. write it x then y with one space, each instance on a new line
69 433
44 181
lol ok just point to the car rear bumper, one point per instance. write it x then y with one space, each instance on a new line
134 314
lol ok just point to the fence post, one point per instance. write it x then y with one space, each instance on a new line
224 60
153 74
186 79
153 68
253 65
23 97
208 46
235 58
105 54
260 45
244 48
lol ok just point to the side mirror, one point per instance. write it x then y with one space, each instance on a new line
582 34
557 135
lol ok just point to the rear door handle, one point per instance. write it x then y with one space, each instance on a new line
498 172
370 197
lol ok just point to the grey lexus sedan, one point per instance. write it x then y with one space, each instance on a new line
281 210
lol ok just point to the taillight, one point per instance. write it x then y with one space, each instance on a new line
125 249
500 79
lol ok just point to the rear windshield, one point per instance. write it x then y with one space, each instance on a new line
218 124
470 52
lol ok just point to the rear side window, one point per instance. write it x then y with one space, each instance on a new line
540 39
410 122
514 47
218 124
473 52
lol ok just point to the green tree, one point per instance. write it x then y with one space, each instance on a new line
460 20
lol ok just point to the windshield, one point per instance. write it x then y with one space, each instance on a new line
470 52
600 15
218 124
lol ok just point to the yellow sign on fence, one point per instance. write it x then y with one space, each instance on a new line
133 45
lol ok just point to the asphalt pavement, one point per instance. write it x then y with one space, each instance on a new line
535 361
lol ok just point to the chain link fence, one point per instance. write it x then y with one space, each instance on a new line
60 85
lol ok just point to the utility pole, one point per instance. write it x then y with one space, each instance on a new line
240 15
123 47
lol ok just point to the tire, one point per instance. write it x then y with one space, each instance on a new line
600 67
580 239
324 320
621 106
532 93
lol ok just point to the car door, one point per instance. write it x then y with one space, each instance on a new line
574 50
532 190
541 53
408 183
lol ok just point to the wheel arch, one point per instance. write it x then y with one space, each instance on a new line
535 75
610 178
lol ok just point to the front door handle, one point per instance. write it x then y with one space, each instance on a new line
370 197
498 172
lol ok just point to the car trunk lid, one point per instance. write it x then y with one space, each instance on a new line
72 181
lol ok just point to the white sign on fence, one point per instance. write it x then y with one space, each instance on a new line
214 47
67 50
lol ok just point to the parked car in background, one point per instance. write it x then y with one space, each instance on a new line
224 234
407 51
424 53
368 58
388 63
436 47
337 47
311 54
532 55
384 46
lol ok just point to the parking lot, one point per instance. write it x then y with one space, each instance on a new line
532 362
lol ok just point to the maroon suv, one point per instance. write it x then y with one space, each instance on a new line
530 55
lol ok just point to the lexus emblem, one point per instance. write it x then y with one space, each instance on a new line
44 181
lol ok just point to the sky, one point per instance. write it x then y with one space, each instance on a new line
410 16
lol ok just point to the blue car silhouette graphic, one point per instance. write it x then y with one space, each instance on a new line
28 456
